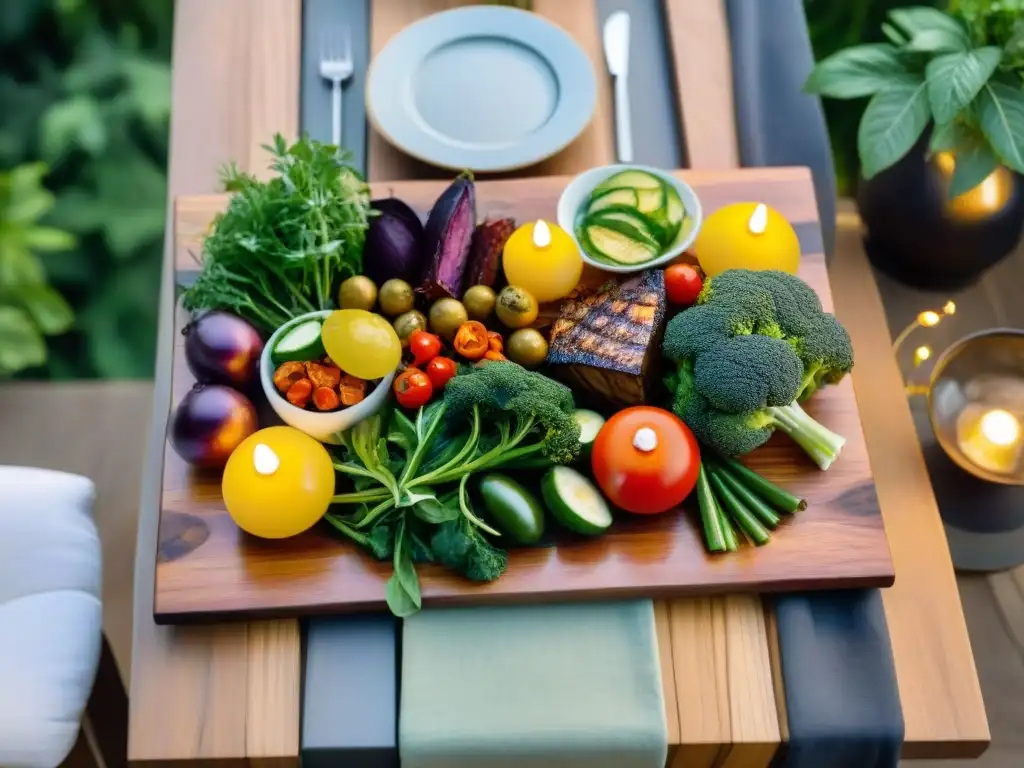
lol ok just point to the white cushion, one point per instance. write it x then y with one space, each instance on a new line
50 613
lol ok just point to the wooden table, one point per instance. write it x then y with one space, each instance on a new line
232 692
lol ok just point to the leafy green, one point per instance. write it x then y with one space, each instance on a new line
284 245
409 496
29 307
954 79
893 121
1001 110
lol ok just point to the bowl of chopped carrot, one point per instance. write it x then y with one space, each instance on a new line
309 392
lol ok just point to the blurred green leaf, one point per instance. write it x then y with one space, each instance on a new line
47 307
75 123
21 344
48 239
1002 120
954 79
135 190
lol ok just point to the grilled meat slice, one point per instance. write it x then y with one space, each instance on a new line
605 342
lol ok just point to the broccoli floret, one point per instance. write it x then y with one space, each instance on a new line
756 343
538 405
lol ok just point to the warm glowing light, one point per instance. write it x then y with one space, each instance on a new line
1000 427
949 308
758 220
928 318
541 234
921 354
264 460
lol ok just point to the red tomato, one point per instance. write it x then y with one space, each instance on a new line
413 388
424 347
440 370
682 284
645 460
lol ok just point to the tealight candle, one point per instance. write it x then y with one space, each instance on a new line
747 236
541 258
989 438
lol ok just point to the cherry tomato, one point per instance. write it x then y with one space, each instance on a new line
682 284
645 460
424 347
440 370
413 388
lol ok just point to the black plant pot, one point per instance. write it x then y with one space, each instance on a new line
917 235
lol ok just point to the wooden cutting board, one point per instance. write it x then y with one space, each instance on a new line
207 570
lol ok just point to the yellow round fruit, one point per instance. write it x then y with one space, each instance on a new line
516 307
543 259
361 343
746 236
277 483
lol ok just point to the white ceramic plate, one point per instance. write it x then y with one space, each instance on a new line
484 88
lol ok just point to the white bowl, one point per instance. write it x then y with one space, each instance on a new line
579 189
324 426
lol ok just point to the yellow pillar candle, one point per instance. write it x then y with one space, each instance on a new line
989 438
541 258
747 236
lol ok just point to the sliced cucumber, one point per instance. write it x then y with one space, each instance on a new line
300 343
639 225
674 209
651 201
610 242
590 424
626 197
634 179
575 502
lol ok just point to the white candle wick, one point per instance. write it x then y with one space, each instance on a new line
758 220
541 234
645 439
264 460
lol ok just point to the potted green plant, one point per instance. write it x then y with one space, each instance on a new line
941 139
30 308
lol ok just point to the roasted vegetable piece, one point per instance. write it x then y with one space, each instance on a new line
394 242
756 344
325 399
352 390
485 254
471 340
298 394
605 341
323 375
494 342
287 374
447 238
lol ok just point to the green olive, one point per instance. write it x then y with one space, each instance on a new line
516 308
479 301
527 346
395 297
446 316
357 292
407 322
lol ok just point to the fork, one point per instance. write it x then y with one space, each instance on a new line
336 66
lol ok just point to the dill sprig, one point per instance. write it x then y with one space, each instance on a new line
284 245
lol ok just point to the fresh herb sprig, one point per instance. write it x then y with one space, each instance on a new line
284 245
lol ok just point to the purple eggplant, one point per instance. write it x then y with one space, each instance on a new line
394 243
447 240
209 423
221 348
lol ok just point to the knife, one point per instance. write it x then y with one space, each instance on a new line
616 55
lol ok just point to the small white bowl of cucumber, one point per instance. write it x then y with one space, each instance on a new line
627 218
299 341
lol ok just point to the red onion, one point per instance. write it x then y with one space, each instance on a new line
221 348
209 423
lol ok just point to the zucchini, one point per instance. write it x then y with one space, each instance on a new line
626 197
590 424
639 225
609 242
633 179
575 502
513 509
299 344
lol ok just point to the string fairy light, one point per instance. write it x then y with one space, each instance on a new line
929 318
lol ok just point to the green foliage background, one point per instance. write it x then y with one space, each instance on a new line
85 88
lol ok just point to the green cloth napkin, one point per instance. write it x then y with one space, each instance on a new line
553 686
